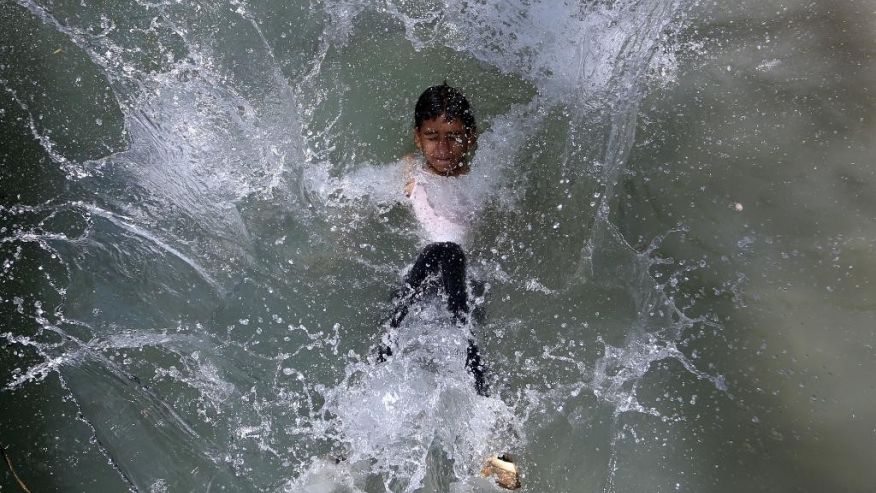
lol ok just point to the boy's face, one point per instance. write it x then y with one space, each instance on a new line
444 144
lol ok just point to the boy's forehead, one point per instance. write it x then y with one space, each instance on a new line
444 123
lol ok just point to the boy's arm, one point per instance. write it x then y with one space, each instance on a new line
410 162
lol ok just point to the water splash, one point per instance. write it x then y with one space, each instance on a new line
215 140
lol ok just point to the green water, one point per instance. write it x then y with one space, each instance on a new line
197 253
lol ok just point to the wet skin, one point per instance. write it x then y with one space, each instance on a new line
444 145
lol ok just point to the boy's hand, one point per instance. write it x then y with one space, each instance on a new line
410 162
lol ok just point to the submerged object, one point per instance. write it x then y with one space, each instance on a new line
503 468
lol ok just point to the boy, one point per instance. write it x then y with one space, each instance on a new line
444 203
444 132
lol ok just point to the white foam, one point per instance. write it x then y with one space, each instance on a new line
391 414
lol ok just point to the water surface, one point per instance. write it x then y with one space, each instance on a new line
198 246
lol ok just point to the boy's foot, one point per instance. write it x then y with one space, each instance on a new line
504 470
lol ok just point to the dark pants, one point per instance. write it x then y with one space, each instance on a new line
446 261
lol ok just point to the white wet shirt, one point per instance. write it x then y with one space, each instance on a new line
445 206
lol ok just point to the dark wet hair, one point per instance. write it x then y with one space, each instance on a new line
447 101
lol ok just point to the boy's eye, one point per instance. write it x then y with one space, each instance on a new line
451 139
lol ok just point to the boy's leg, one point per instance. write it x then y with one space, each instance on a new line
446 259
476 368
453 278
427 263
